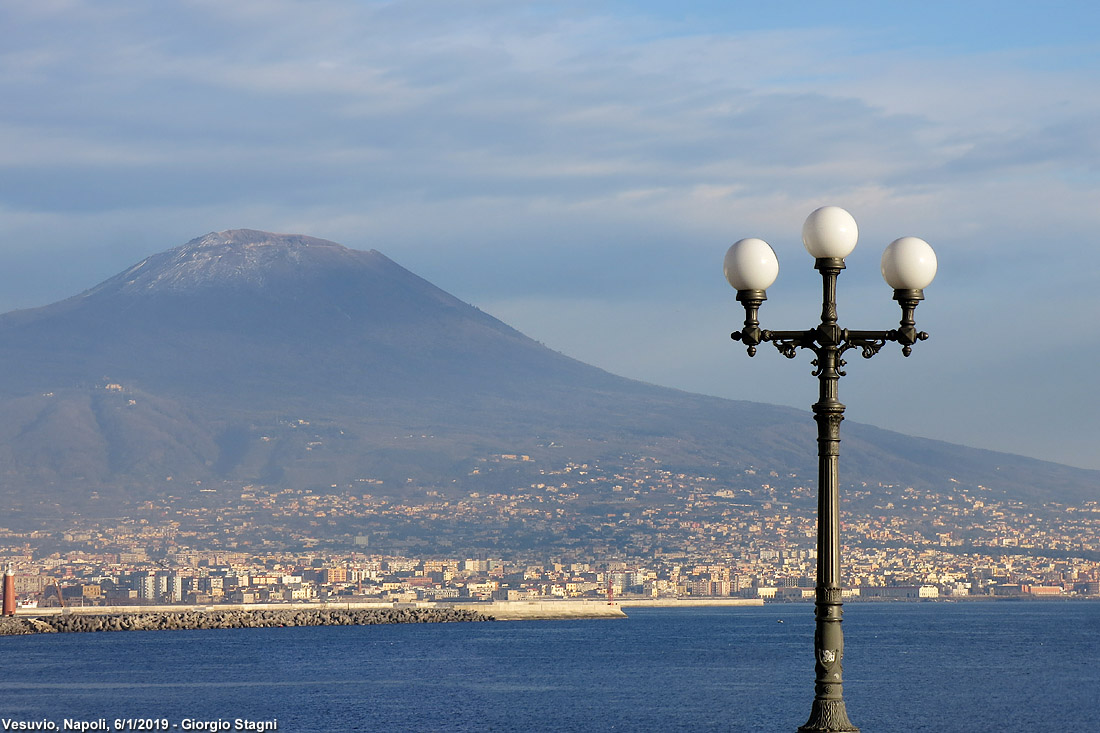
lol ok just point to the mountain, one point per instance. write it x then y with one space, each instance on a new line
250 357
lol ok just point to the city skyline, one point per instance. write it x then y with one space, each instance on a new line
755 541
578 171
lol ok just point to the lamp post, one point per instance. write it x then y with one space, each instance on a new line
908 266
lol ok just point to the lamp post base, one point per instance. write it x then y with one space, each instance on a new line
828 716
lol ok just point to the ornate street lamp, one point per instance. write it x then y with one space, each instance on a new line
908 266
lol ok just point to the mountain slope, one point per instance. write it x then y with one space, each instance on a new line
260 310
246 356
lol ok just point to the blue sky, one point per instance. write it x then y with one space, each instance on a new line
578 169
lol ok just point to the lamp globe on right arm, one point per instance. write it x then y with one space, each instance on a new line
909 263
909 266
830 233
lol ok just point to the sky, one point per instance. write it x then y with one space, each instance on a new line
578 169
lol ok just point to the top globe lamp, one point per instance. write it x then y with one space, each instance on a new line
830 233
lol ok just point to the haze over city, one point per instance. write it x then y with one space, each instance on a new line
578 170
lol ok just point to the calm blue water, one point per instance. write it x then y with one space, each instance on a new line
917 667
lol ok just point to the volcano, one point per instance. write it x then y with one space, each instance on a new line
251 357
256 319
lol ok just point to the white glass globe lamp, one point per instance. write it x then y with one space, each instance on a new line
750 264
909 263
830 232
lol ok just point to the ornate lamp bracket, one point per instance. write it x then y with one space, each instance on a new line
787 343
868 344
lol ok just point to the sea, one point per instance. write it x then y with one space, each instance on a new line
931 666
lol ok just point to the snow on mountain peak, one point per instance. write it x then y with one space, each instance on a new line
238 257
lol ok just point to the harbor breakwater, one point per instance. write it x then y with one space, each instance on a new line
231 619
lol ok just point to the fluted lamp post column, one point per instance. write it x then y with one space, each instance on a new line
908 266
